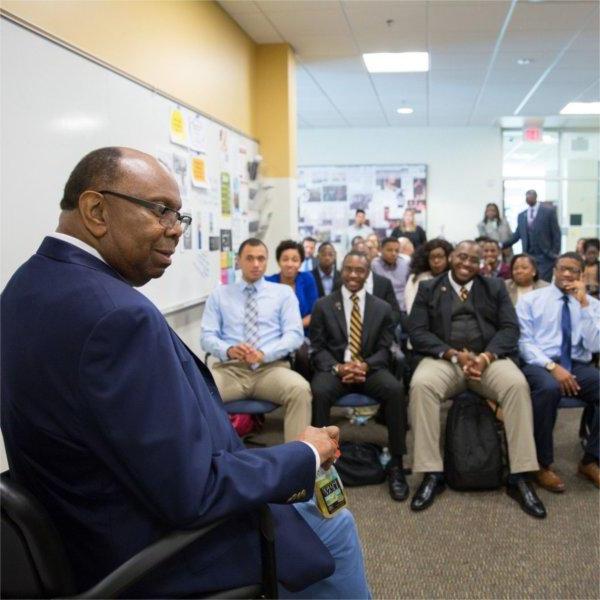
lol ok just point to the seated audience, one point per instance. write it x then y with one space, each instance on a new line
359 244
309 263
372 247
493 225
492 265
406 249
524 277
429 261
326 275
351 335
389 265
373 239
358 228
121 435
252 326
408 228
289 255
464 333
560 328
591 273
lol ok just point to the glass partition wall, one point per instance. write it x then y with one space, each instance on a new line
564 168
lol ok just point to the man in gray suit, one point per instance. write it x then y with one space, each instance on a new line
538 230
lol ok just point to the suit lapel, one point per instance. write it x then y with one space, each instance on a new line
478 295
367 325
337 304
524 230
446 298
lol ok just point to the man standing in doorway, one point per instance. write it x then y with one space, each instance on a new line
538 230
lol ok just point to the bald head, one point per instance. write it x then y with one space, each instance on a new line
115 201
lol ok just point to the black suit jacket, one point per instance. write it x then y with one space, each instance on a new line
337 281
382 288
430 319
329 335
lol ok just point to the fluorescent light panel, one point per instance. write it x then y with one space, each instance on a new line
397 62
405 110
581 108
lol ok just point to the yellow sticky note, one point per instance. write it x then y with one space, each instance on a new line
178 127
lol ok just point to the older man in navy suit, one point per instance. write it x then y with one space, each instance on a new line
118 429
538 230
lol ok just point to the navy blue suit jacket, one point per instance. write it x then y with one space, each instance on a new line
119 431
545 232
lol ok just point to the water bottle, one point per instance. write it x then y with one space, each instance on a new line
329 492
385 457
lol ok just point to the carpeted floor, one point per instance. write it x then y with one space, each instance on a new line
480 544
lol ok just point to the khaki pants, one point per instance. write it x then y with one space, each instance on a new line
436 380
275 382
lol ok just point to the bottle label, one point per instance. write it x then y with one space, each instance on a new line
329 492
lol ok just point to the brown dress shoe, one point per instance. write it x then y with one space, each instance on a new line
550 481
591 471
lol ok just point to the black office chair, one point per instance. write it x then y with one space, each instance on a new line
35 564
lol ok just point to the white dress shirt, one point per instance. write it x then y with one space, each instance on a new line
458 286
368 287
348 305
77 242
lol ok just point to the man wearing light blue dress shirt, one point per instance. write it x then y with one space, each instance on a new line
251 327
560 329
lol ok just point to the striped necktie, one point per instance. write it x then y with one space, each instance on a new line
355 329
464 294
251 317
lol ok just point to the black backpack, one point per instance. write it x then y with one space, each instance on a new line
473 451
359 464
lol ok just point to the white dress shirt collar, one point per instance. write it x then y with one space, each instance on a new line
77 242
346 293
458 286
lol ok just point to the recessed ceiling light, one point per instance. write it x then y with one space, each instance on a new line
524 61
581 108
405 110
397 62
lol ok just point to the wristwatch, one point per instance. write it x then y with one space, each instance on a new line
454 359
550 366
335 370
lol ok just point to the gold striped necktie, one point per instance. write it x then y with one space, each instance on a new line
355 329
464 294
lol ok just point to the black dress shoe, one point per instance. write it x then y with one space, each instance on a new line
425 495
397 484
522 491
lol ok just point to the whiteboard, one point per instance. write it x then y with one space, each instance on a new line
57 105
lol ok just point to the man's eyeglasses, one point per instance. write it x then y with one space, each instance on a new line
474 260
167 217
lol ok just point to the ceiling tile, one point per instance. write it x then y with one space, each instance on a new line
468 16
237 7
295 24
555 15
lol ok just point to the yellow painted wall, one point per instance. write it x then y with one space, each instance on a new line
190 49
275 109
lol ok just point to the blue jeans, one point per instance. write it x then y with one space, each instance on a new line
341 538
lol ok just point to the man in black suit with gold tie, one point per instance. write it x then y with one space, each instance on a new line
351 332
464 333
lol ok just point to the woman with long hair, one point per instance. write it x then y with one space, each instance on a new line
429 261
408 228
493 225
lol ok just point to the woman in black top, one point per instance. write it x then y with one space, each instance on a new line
409 229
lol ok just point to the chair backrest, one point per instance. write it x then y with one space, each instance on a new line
33 559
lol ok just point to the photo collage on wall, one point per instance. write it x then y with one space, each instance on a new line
328 197
212 176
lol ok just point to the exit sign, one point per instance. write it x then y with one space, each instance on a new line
532 134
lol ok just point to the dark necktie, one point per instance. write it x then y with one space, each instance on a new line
565 346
